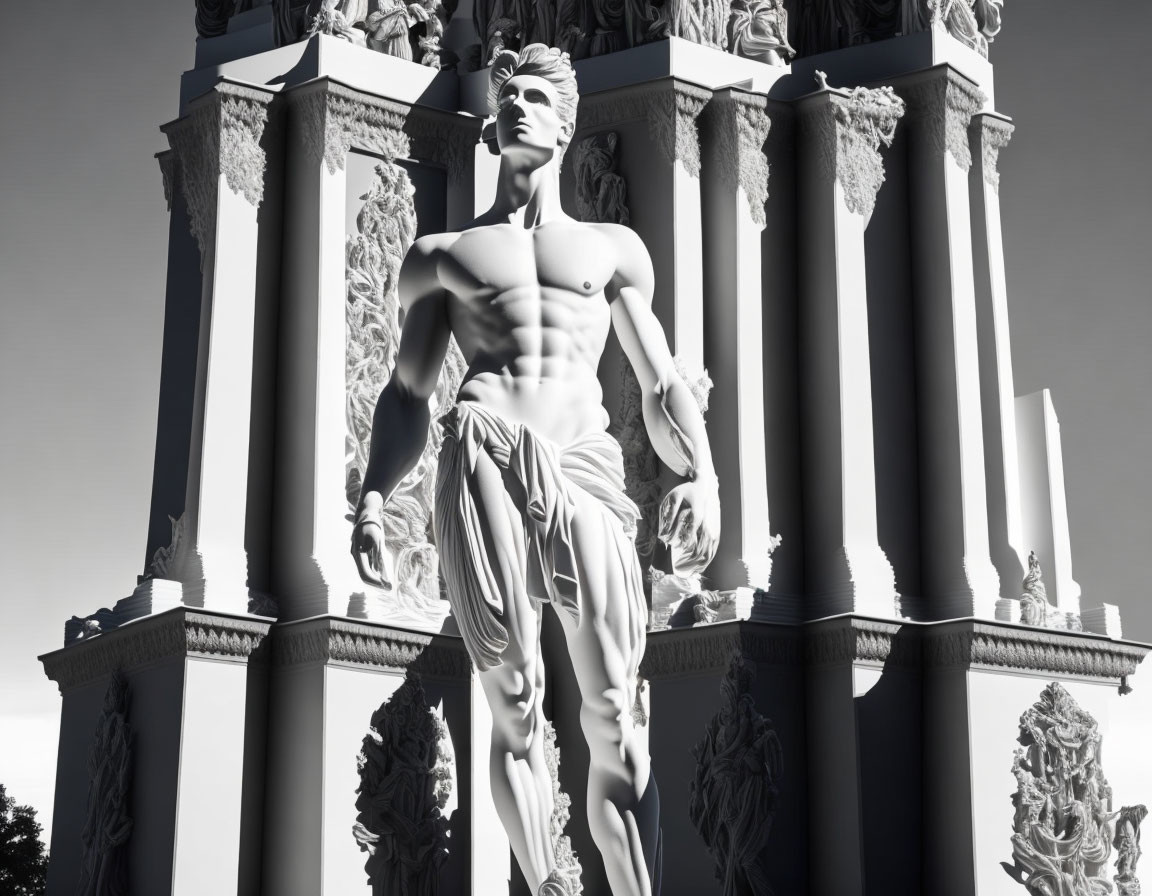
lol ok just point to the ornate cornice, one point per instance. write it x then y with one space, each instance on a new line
220 135
858 640
992 134
1044 651
845 131
740 124
176 633
331 640
669 106
330 119
942 104
674 652
443 138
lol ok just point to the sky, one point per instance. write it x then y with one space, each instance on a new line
83 249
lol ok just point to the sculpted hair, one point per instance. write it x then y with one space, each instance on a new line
544 62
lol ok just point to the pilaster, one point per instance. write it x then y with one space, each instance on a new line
313 571
219 165
666 195
989 133
735 187
840 174
957 576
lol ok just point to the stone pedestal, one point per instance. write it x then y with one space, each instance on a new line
196 691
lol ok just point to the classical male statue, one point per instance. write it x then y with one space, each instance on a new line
530 504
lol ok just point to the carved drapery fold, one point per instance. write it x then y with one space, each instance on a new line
847 133
670 109
993 135
942 107
331 119
740 126
220 135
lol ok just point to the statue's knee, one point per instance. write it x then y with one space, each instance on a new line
515 723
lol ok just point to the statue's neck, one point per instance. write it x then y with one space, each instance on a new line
528 196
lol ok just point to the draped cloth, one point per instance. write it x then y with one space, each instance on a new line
548 485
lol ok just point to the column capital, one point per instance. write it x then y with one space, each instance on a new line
220 135
740 125
331 118
942 103
668 105
991 134
446 138
847 129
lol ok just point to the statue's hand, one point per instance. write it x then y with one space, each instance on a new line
690 525
368 541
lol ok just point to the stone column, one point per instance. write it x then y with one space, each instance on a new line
958 577
735 187
664 183
313 571
840 173
988 134
220 172
1045 516
449 140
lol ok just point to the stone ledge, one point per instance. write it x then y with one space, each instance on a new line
840 640
328 639
180 632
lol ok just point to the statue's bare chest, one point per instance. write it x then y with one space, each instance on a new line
490 262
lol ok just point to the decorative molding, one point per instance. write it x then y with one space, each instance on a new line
107 826
732 799
565 876
407 772
993 135
332 119
669 107
943 105
167 162
677 652
857 640
1063 825
847 131
1044 651
331 640
175 633
443 138
220 135
740 126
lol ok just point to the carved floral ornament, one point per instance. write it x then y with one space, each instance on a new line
220 135
993 135
847 129
740 126
669 107
331 119
942 106
392 650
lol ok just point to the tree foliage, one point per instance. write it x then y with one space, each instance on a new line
23 859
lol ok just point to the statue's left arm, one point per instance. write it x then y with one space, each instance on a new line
690 513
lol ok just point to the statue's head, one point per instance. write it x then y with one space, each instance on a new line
533 96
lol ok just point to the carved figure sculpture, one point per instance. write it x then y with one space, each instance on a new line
530 508
1063 825
972 22
1034 604
758 29
107 825
733 799
330 19
386 227
1127 845
406 767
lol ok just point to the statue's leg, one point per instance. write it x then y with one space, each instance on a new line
521 782
606 648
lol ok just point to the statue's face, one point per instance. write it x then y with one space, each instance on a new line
527 120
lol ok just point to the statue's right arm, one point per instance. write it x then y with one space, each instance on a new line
400 423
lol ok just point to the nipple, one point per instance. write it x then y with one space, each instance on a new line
587 285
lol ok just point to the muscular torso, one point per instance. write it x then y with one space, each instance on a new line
529 312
